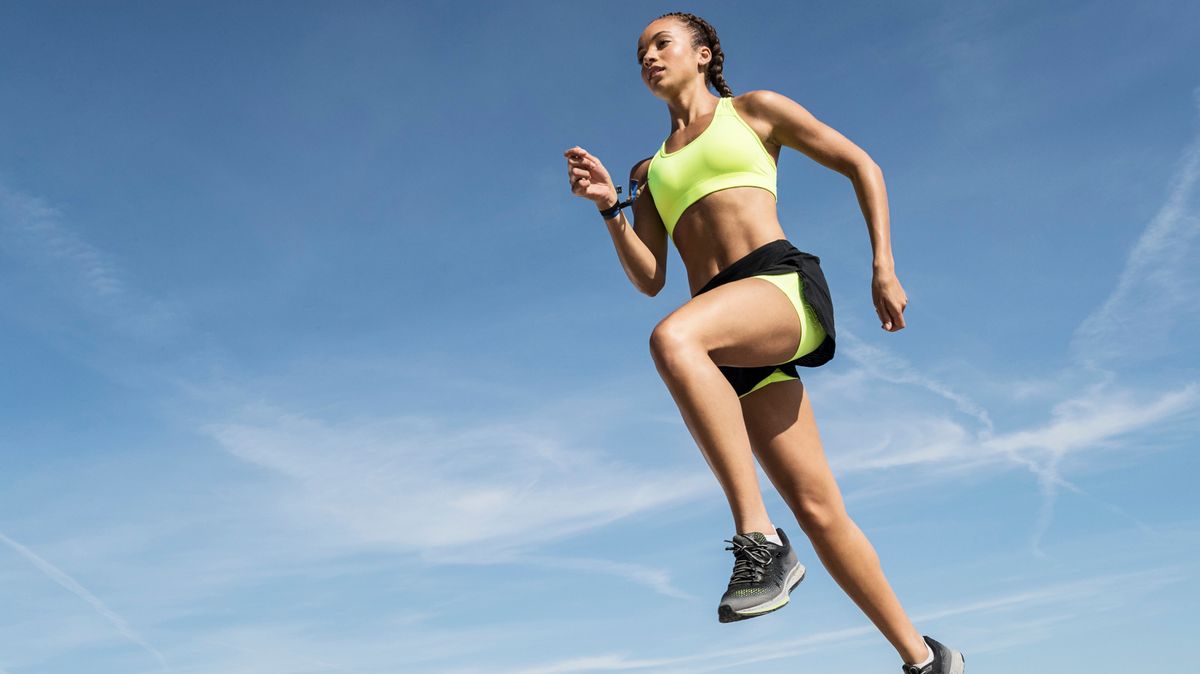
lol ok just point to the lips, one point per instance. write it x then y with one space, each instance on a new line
654 71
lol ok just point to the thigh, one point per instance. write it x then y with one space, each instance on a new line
812 333
744 323
784 437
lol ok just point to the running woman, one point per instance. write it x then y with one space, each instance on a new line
759 308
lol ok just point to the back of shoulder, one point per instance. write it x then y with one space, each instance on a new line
640 170
644 207
641 173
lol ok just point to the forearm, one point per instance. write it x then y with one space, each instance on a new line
872 199
636 258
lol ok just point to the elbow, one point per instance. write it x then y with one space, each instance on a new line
866 167
650 289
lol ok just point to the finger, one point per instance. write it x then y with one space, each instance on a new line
880 311
583 164
885 316
897 319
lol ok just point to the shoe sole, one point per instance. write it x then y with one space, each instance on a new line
726 614
958 663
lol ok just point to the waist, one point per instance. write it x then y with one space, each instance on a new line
777 256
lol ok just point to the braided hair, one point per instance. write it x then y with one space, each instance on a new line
704 35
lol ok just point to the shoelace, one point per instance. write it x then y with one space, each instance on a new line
750 562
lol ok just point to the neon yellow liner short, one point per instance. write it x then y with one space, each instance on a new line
812 333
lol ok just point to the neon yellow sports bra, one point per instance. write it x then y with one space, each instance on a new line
726 154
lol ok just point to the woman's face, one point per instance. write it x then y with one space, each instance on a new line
666 56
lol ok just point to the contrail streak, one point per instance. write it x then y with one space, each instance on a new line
72 586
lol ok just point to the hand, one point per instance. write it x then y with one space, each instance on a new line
890 300
589 179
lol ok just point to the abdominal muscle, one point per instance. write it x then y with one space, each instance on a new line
721 228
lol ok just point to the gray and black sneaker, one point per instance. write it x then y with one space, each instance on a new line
763 576
946 660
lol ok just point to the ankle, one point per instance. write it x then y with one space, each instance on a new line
761 526
925 659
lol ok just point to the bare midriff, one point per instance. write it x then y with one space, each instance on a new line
723 227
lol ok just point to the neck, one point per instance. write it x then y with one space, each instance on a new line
690 105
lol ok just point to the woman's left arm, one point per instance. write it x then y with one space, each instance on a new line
797 128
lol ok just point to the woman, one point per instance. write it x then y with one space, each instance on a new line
759 308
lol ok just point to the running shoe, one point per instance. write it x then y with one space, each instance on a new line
763 576
946 660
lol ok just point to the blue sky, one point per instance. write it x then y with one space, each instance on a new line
310 361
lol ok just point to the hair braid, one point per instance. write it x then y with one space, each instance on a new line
703 34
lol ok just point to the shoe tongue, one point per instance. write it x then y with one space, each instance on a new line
756 536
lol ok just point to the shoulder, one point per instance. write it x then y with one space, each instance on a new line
763 110
786 122
762 103
789 124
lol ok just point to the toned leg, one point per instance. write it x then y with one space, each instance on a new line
783 434
745 323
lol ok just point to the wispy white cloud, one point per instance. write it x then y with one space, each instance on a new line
33 227
1146 312
419 484
71 585
884 365
382 644
1096 420
89 279
656 579
1084 423
1106 592
928 436
707 661
404 483
1155 292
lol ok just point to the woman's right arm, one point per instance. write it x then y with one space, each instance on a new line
641 248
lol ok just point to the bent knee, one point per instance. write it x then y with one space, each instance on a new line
671 338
